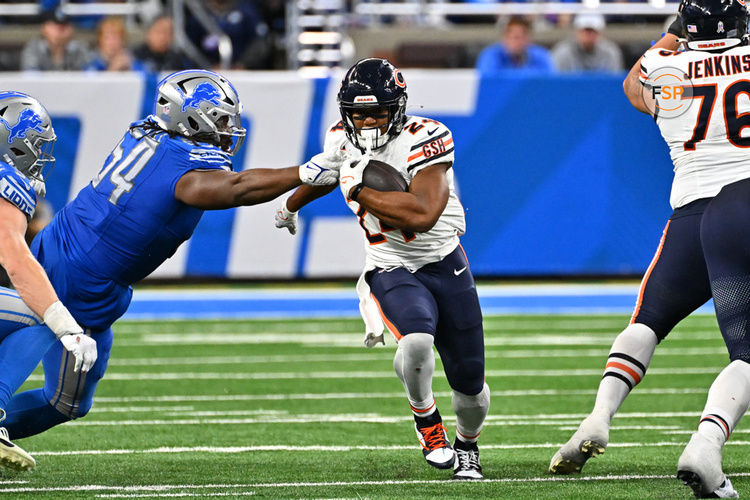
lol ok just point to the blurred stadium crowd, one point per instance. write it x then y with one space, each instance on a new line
166 35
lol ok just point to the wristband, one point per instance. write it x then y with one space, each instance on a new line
355 192
58 319
285 210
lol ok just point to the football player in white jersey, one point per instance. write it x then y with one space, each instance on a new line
702 252
416 272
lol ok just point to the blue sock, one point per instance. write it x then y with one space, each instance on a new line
29 413
20 353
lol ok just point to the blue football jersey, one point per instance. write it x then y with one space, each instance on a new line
16 189
123 225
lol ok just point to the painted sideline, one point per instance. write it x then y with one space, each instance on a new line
343 302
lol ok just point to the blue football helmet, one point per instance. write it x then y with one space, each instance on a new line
373 83
26 135
202 106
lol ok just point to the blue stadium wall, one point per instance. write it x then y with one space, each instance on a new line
559 175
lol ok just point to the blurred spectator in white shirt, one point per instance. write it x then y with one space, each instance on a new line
588 50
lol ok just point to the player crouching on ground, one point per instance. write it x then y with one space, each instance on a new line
26 142
416 271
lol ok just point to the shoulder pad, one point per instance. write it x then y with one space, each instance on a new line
335 136
336 126
432 142
16 189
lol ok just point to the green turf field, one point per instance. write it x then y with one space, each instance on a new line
298 409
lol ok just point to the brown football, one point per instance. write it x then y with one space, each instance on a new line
382 177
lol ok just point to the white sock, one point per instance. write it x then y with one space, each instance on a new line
414 364
627 363
470 413
728 400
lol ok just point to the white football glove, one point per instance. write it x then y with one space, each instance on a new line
323 168
286 218
83 348
58 319
351 175
39 187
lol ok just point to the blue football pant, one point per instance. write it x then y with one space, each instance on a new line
23 342
66 395
439 299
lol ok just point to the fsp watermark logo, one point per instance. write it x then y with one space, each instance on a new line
667 92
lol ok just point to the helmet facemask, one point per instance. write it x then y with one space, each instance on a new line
45 161
376 136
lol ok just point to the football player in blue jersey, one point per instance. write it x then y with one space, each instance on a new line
145 201
26 141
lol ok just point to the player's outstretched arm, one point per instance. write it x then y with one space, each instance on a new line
218 189
632 86
306 194
416 210
34 288
286 215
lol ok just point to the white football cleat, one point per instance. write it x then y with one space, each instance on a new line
590 440
699 467
467 464
12 456
435 445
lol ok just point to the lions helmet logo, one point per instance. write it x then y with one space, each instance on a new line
27 120
202 93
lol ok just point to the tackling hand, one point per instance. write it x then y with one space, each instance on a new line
323 168
285 218
39 187
83 348
58 319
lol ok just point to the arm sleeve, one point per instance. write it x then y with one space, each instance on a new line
198 158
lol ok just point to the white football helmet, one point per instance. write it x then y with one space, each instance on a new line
203 106
26 135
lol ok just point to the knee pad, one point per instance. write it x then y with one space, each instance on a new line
68 400
414 364
416 349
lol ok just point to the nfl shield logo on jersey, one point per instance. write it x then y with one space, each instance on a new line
720 27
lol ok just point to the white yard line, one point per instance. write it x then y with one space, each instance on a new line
369 395
290 448
171 487
182 494
111 376
387 355
221 418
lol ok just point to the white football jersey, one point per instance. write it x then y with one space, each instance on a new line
421 143
709 141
